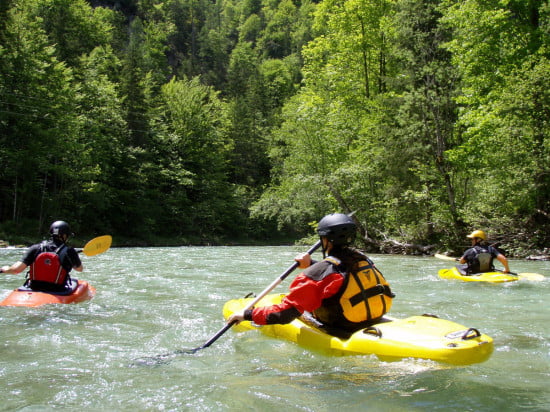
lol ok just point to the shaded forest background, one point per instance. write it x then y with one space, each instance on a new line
168 122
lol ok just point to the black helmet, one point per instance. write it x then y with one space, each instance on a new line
338 228
59 227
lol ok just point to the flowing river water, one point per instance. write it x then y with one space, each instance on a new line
153 301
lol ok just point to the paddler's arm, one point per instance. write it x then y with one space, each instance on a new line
304 261
502 259
284 312
463 260
305 295
76 263
14 269
281 314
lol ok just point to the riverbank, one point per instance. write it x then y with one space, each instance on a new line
527 254
19 241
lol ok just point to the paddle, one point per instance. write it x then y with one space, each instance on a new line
161 358
97 245
536 277
524 275
445 257
272 286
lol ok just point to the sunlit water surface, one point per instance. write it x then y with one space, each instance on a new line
154 301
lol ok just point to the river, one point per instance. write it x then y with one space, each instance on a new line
152 301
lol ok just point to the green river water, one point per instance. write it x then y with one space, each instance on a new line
151 301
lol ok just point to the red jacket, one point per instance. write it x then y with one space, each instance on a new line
305 294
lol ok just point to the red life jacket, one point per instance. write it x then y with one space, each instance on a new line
47 266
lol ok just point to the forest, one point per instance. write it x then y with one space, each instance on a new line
176 122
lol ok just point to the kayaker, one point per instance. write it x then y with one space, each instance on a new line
49 262
344 291
479 258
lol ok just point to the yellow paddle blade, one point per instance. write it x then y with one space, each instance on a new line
445 257
97 245
536 277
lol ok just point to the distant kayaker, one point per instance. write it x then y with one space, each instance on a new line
344 291
479 258
49 262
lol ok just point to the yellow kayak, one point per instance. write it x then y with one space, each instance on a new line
424 337
491 277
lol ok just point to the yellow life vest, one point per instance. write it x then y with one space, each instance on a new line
366 294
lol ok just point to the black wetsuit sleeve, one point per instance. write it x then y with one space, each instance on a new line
30 255
74 259
283 317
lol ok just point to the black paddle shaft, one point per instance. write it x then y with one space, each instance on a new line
257 299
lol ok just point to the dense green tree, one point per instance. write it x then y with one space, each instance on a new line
502 55
196 120
276 41
103 134
37 146
74 27
327 145
217 38
193 157
426 121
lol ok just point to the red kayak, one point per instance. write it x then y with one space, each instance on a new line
26 297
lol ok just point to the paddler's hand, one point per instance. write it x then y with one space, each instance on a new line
236 318
304 260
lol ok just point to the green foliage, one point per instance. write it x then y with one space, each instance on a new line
36 119
74 27
502 56
205 121
193 152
